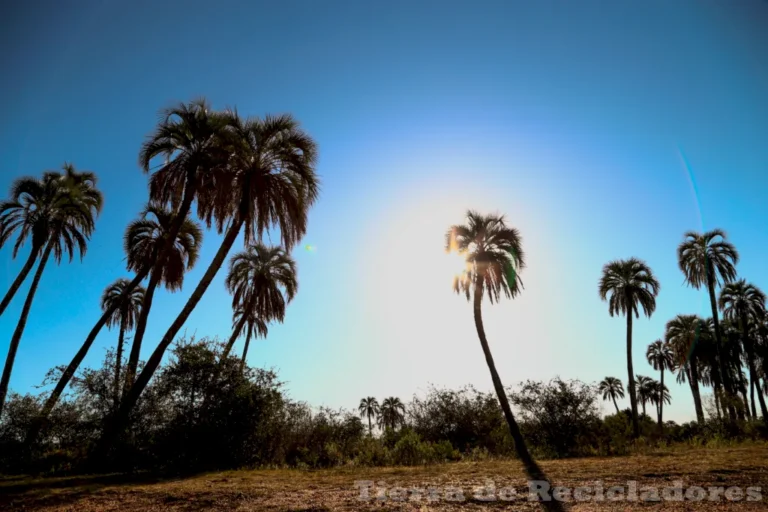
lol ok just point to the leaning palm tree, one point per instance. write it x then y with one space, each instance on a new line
73 205
262 281
682 334
707 259
124 317
611 389
369 407
254 327
644 386
741 303
392 413
269 181
659 355
627 284
494 258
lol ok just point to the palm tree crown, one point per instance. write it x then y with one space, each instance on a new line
611 388
707 258
127 313
660 356
391 413
625 284
741 298
369 407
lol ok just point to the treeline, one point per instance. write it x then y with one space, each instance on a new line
204 413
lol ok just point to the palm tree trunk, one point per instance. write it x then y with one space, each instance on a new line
643 402
69 372
718 339
245 352
694 380
19 279
235 334
752 371
661 401
117 424
16 339
370 426
533 470
138 335
752 394
631 377
718 390
616 405
119 361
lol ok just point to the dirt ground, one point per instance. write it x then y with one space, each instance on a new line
456 486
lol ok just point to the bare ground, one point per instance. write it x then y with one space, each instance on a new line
334 489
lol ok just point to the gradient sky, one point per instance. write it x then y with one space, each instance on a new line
575 119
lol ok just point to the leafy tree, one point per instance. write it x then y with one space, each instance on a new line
627 284
611 388
124 317
742 302
391 413
369 407
682 334
494 258
71 206
659 355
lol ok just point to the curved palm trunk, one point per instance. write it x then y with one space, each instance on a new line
117 424
16 339
631 376
119 362
718 339
694 381
19 279
245 353
235 334
138 335
616 405
532 469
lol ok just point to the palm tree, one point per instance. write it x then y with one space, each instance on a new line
254 327
659 396
262 281
124 317
707 259
644 390
143 242
611 388
392 413
659 355
269 180
369 407
72 206
742 302
682 334
494 258
625 284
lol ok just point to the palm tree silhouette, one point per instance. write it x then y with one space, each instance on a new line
659 355
682 334
369 407
124 317
707 259
625 284
742 302
269 180
659 396
644 386
391 413
494 258
262 281
72 205
611 389
254 327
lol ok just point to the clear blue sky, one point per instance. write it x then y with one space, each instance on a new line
570 117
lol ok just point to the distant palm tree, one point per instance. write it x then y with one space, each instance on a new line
494 258
611 388
645 389
73 204
659 396
391 413
707 259
262 281
742 302
660 356
625 284
124 317
369 407
682 335
267 180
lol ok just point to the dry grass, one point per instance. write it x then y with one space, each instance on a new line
334 489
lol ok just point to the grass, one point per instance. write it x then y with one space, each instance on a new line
334 489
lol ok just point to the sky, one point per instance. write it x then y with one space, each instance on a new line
602 130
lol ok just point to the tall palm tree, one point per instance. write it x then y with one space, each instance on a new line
742 302
659 355
494 257
611 388
627 284
659 396
645 389
123 317
369 407
262 281
391 413
73 205
143 242
682 334
708 259
269 180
